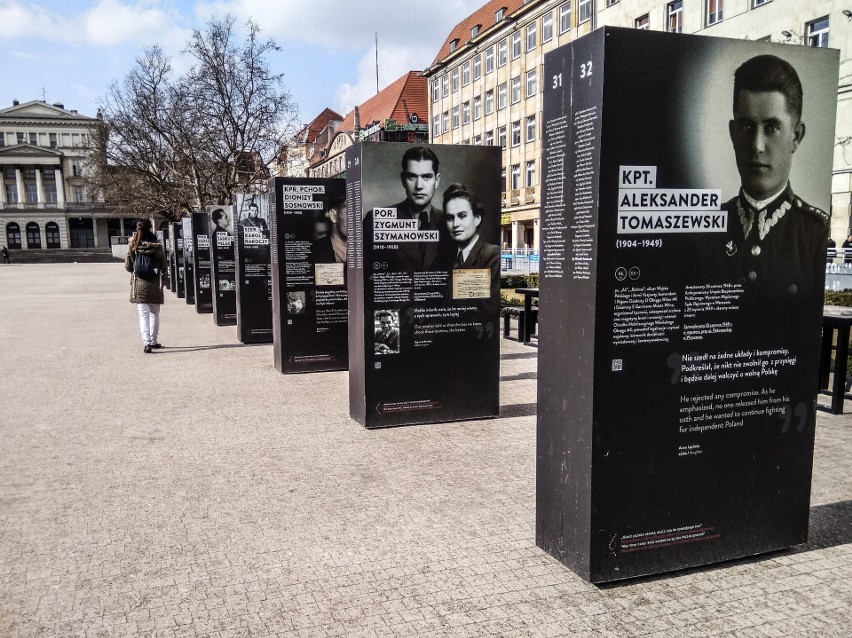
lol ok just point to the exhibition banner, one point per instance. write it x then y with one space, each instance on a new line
165 240
251 258
176 260
424 282
308 226
222 269
201 263
684 229
188 260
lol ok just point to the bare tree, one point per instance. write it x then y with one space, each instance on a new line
169 146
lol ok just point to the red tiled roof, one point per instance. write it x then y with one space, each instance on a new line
309 133
408 94
483 17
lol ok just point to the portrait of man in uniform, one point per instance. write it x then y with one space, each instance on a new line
420 178
775 244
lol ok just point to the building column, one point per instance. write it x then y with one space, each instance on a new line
60 188
39 189
121 226
515 235
536 234
95 231
19 181
2 187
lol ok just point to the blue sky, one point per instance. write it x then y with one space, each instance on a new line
70 51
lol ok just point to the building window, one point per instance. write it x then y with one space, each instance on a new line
489 60
675 12
501 137
547 27
477 140
453 45
489 138
477 107
531 128
477 67
78 194
474 31
516 90
516 176
445 122
465 73
499 14
2 139
584 11
76 168
642 22
465 142
445 85
12 193
436 91
516 133
466 113
34 139
455 117
531 88
13 235
609 3
531 173
516 45
51 233
564 17
760 3
31 193
714 11
501 53
436 126
21 138
455 80
489 102
50 192
503 179
501 96
816 33
33 235
531 36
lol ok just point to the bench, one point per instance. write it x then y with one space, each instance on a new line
518 313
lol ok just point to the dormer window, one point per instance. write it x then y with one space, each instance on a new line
501 13
454 45
475 31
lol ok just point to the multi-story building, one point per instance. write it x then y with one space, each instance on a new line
395 114
44 199
485 84
308 145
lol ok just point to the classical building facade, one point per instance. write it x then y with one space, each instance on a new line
44 199
485 84
395 114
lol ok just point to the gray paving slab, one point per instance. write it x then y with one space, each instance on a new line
199 492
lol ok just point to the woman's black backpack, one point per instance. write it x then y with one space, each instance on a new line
145 266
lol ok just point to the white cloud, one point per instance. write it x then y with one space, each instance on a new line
393 62
112 22
106 23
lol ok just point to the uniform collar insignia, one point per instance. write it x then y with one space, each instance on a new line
765 218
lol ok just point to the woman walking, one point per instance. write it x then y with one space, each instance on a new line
146 261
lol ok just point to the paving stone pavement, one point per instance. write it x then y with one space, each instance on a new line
199 492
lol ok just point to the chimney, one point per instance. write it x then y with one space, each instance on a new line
15 103
59 105
357 121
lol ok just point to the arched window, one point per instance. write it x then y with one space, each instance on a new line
51 232
33 235
13 235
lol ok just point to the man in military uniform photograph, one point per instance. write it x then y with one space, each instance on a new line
420 177
776 243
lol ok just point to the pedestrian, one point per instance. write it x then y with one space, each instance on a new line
146 261
5 255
